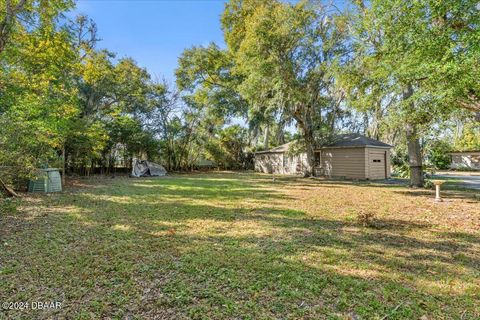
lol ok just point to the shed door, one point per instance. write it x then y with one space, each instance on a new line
377 164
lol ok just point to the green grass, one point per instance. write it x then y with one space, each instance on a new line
238 246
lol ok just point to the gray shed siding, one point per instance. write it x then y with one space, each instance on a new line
281 163
268 162
356 162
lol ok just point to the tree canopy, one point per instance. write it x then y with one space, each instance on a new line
402 72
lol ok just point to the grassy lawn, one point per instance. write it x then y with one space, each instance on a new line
239 246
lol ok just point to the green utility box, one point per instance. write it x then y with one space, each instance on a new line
48 180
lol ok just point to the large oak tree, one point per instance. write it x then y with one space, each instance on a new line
422 57
286 53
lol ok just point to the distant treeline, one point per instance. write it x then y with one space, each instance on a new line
405 73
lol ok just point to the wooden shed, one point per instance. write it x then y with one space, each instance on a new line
350 156
354 156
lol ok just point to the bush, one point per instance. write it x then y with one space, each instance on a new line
367 219
428 184
401 170
437 155
400 162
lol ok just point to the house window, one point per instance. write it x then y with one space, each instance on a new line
377 160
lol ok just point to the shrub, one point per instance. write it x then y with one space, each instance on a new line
428 184
402 170
437 155
400 162
366 218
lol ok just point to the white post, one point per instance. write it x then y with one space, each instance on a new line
437 193
437 184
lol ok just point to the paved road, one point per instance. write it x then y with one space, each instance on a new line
462 180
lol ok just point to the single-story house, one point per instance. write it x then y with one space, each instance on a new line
206 164
465 160
350 156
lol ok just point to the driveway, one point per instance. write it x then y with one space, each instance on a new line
461 179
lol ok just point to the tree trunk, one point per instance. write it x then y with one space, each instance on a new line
366 124
266 140
414 157
303 116
414 148
310 146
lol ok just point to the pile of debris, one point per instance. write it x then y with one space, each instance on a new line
144 168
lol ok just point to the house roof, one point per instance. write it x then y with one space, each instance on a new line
280 149
356 140
339 141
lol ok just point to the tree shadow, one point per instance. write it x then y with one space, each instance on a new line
450 194
184 255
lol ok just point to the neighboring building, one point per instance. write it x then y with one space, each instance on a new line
206 164
351 156
465 160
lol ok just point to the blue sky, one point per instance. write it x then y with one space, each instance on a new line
154 32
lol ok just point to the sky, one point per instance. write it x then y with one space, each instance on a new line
154 32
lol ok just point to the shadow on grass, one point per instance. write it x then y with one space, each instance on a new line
448 191
446 194
174 257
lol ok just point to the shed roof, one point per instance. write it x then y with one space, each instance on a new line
339 141
356 140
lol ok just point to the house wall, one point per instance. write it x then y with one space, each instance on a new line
466 160
295 164
281 163
344 162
